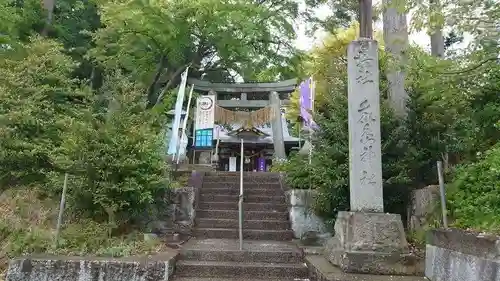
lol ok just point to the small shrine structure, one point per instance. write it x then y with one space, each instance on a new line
254 112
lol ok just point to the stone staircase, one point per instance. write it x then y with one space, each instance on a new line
268 253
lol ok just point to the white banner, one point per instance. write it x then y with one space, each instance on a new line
174 141
205 112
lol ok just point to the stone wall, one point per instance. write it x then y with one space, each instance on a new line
179 212
160 267
183 209
456 255
423 203
306 225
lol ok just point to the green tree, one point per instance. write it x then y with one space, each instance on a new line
115 155
40 100
155 41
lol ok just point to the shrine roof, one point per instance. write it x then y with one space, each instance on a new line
287 86
248 131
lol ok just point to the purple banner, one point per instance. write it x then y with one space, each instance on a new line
305 102
261 164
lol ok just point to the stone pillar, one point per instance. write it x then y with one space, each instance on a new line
366 239
365 156
277 126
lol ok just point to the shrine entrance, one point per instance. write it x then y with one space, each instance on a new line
252 112
256 153
255 158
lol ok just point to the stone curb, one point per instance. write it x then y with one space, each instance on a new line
479 245
153 268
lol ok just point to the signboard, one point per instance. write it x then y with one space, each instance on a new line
205 112
203 138
232 164
205 119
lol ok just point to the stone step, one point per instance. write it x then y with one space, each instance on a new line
242 256
247 224
236 180
236 185
269 207
236 191
261 175
249 198
251 234
248 215
258 174
235 279
239 269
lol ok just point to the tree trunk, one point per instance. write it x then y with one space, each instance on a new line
151 92
396 42
48 5
436 32
365 19
437 43
169 85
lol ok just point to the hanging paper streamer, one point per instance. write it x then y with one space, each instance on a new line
253 118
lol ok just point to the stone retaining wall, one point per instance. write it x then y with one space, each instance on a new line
159 267
306 225
456 255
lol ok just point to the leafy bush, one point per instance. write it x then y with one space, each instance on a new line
39 102
28 219
474 195
452 115
115 156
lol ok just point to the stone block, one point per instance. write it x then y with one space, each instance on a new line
423 203
184 208
306 225
371 243
159 267
458 255
321 270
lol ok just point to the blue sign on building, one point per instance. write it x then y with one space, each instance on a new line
204 138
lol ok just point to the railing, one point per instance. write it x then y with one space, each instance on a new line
240 203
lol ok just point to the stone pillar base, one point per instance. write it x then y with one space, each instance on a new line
373 243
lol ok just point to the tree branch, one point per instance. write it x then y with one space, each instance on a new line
170 83
470 68
152 87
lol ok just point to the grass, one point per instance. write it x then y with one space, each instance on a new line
27 226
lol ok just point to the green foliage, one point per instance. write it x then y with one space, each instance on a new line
453 122
115 156
453 115
82 238
9 19
474 197
50 124
39 101
155 41
27 224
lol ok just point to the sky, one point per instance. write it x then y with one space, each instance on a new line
304 42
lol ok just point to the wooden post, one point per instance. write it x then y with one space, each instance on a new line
442 193
365 19
61 211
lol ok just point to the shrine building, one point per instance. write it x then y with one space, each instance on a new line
226 114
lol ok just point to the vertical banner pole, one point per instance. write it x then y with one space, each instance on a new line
184 124
240 203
